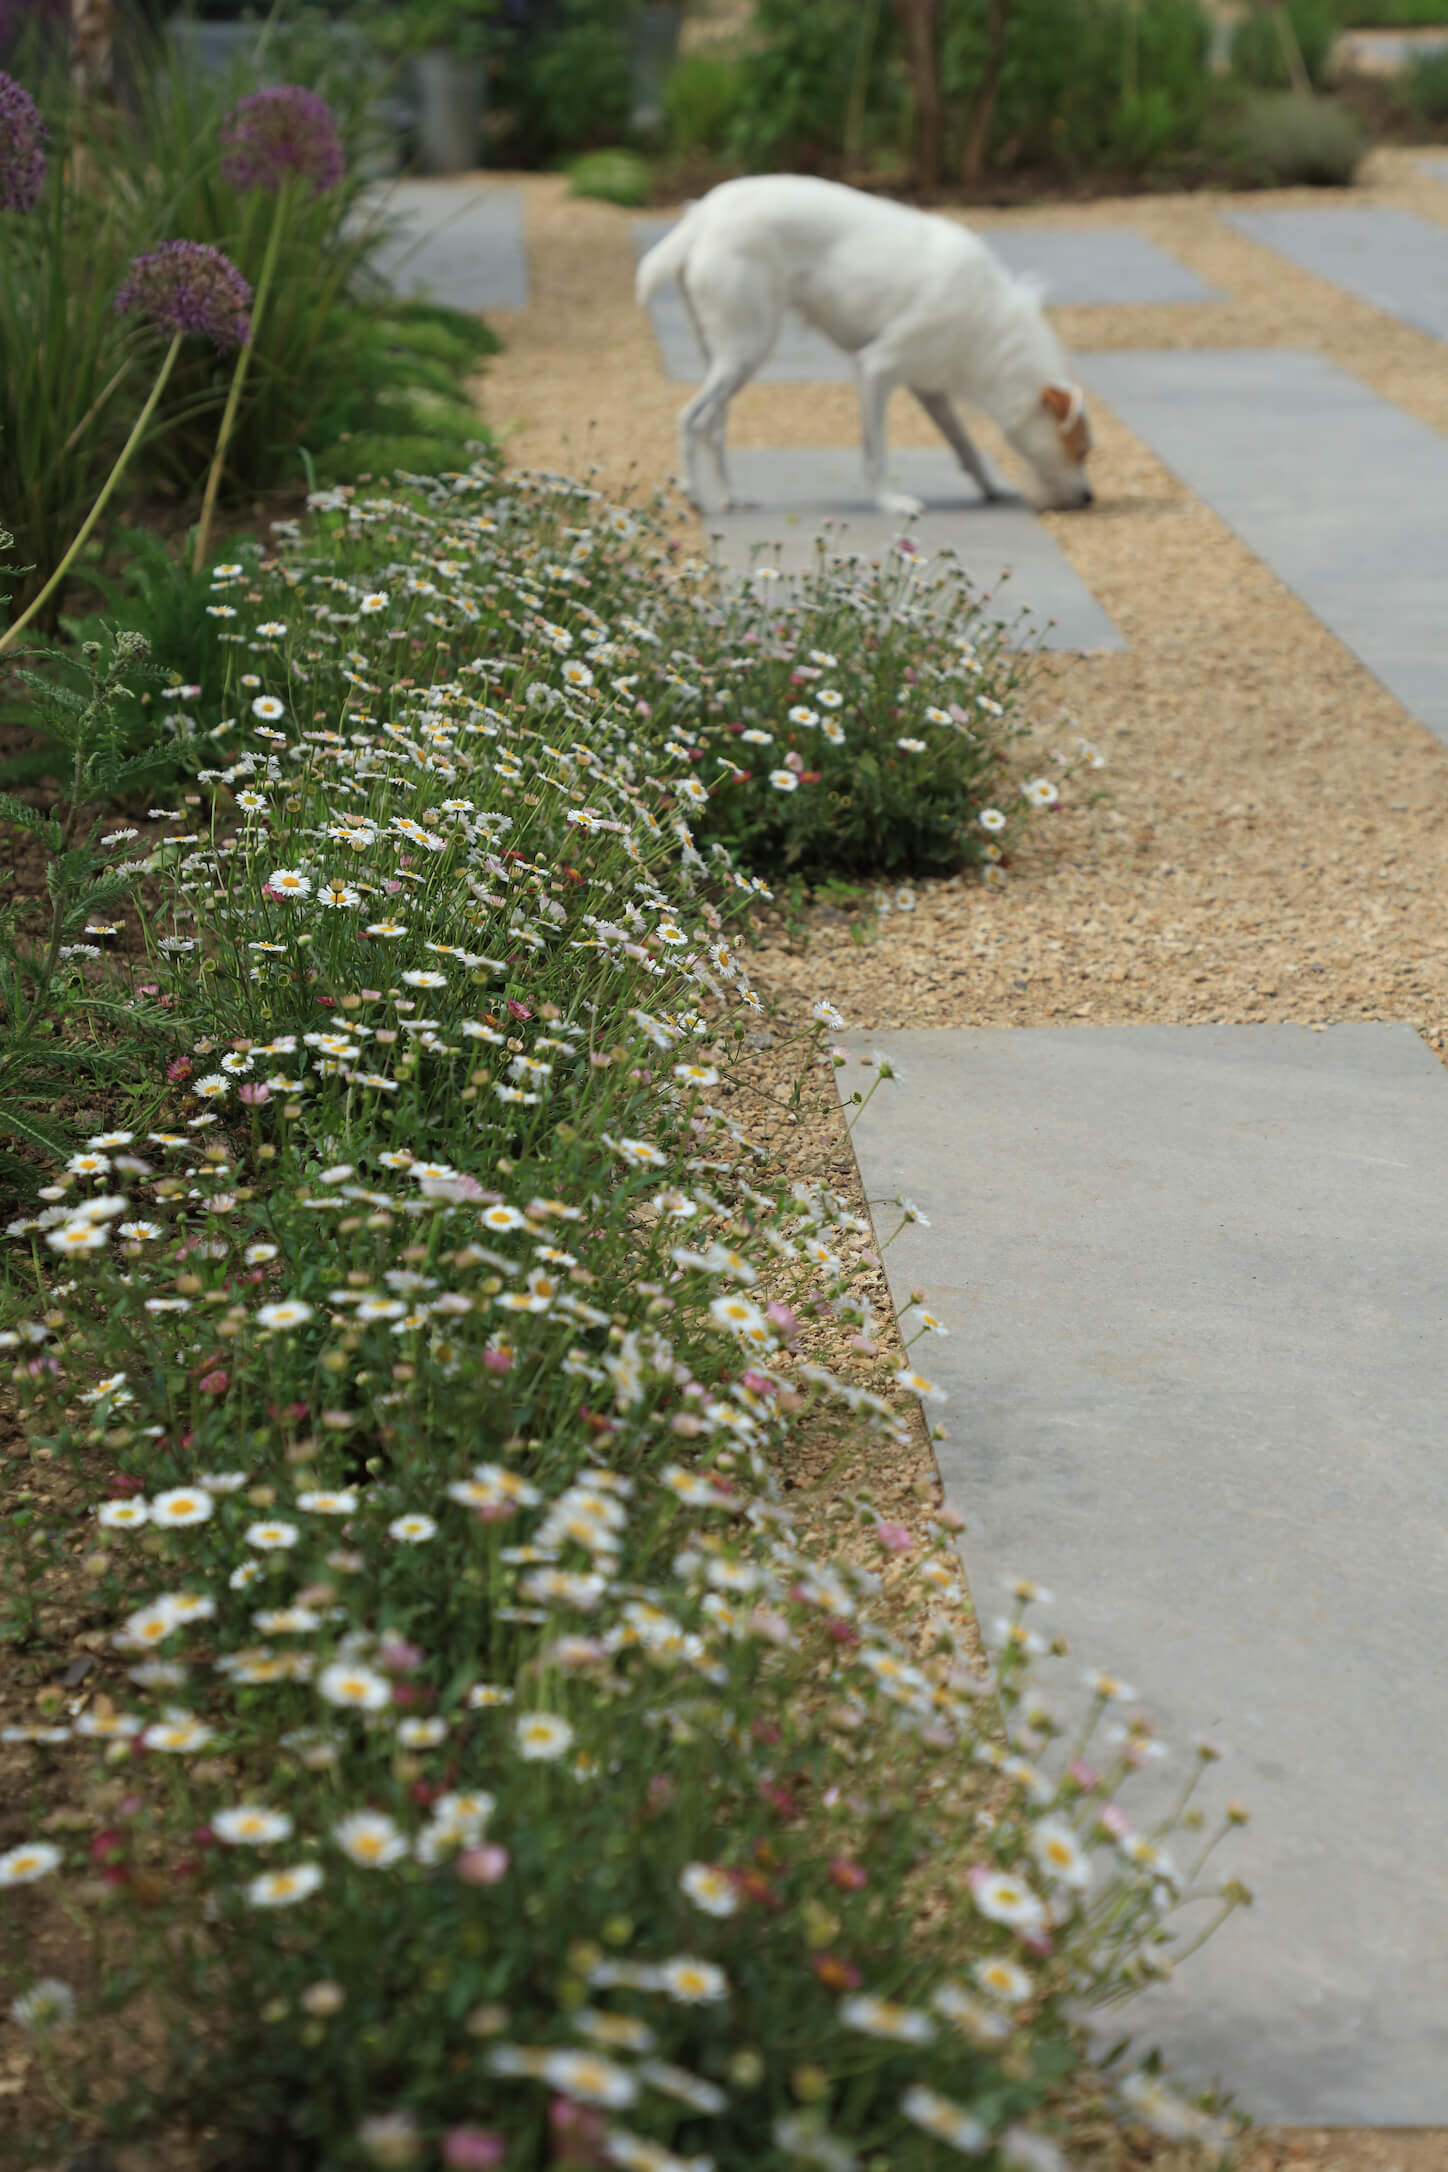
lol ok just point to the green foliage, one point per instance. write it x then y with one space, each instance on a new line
704 99
869 738
83 707
1391 14
799 82
1425 88
331 358
612 177
568 85
1287 141
1086 83
1257 54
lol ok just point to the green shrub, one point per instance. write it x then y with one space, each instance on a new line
1286 141
493 1730
612 177
567 84
1391 14
800 83
1425 88
1257 54
1086 83
866 735
703 101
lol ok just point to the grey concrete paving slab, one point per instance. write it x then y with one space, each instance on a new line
1197 1283
1384 256
456 242
1076 265
1340 492
1435 168
1089 265
801 356
1003 547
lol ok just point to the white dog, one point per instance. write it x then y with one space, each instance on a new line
916 299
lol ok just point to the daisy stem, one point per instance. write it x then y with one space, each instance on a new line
238 379
141 425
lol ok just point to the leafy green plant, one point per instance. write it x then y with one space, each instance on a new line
703 101
1286 141
613 177
566 81
1086 83
1425 87
808 75
1257 49
510 1775
80 705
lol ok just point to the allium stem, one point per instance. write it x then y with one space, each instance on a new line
138 431
238 379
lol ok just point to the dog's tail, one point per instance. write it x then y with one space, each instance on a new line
665 260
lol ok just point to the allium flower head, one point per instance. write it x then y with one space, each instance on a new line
22 157
187 286
273 135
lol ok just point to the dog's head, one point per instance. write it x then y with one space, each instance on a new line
1054 435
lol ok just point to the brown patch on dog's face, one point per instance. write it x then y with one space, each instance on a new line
1066 406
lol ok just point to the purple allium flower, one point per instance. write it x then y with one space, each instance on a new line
187 286
274 135
22 156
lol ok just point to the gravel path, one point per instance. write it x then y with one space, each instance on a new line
1268 837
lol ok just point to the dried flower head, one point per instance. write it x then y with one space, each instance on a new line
22 154
276 135
187 286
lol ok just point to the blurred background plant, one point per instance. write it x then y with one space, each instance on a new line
340 371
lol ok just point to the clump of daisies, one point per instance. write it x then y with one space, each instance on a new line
488 1767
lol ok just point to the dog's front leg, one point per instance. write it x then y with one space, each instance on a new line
877 380
941 411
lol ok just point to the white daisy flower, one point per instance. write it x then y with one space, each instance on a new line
282 1888
249 1825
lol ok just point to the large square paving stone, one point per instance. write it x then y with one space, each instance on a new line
1341 493
1075 265
454 242
1085 265
1008 554
1197 1282
1389 258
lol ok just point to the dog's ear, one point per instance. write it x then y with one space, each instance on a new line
1063 403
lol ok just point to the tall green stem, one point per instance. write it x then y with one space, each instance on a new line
7 639
238 379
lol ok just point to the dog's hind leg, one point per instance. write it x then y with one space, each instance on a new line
939 408
735 314
713 431
701 424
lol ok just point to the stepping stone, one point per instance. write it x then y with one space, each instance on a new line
1089 265
798 491
1389 258
1075 265
1338 491
454 243
1193 1277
